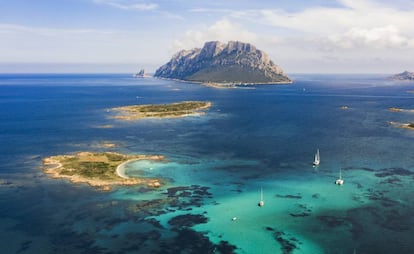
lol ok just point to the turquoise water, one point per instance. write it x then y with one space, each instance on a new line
251 139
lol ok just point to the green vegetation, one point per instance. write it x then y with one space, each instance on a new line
114 156
161 110
231 74
100 170
173 107
98 165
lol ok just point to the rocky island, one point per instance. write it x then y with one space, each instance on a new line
409 126
102 170
141 74
173 110
220 64
393 109
406 75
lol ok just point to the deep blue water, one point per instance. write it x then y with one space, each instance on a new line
251 138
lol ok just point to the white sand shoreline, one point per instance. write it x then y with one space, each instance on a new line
120 169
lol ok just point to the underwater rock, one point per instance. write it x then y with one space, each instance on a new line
187 220
191 241
332 221
288 244
289 196
394 172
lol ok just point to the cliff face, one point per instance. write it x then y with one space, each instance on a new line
234 62
403 76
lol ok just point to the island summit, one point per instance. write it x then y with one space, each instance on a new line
234 63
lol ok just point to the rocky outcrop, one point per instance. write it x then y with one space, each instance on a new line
406 75
234 62
141 74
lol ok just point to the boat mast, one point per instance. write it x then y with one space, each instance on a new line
261 202
317 159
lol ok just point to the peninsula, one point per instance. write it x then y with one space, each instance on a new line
102 170
220 64
173 110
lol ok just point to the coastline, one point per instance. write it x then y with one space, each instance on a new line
120 169
61 166
401 110
408 126
228 85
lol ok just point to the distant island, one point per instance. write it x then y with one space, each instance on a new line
173 110
102 170
401 125
406 75
393 109
409 126
220 64
141 74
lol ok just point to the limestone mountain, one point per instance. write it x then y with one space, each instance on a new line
406 75
234 62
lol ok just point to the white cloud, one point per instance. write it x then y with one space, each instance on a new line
358 23
378 37
48 44
10 29
129 5
223 30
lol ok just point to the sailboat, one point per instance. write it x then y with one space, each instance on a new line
317 159
261 202
339 181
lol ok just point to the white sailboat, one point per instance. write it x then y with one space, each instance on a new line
261 202
317 159
339 181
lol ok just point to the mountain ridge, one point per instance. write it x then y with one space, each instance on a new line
234 62
406 75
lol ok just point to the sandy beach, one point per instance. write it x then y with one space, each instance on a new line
120 169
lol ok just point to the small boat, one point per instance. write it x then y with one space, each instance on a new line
317 159
339 181
261 202
234 218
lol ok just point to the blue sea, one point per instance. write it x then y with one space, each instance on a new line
252 138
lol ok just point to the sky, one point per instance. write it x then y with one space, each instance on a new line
123 36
